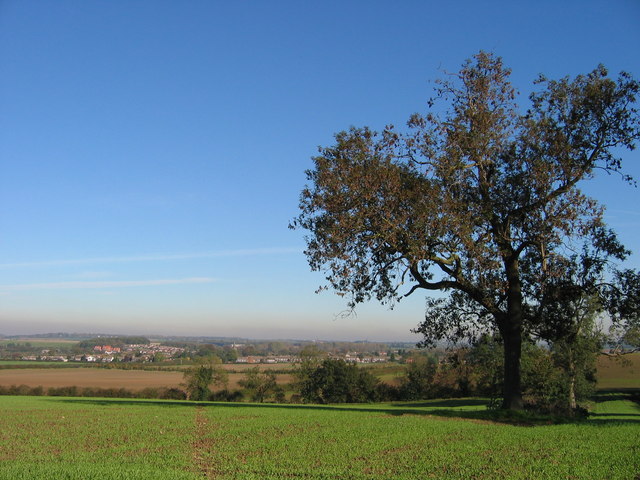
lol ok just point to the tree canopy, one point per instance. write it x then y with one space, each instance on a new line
478 199
201 376
335 381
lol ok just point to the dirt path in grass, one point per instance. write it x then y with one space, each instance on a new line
203 445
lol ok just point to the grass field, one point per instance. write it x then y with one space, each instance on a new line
71 438
613 374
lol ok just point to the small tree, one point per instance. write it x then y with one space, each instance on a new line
200 377
419 375
310 357
485 359
261 385
575 341
577 360
581 289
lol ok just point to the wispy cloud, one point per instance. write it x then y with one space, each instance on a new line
104 284
91 275
154 258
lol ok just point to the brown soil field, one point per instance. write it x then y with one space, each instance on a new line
619 372
89 377
104 378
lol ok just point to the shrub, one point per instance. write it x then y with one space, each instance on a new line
260 385
149 392
418 382
71 391
226 395
335 381
172 394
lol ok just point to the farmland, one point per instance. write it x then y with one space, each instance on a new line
91 438
134 380
619 372
89 377
613 373
46 437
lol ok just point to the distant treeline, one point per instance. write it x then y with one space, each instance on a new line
161 393
113 341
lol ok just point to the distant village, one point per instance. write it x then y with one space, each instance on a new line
156 352
150 352
352 357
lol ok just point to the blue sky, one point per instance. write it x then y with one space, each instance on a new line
152 152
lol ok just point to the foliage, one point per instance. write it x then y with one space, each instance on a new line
226 395
632 337
163 393
623 341
261 385
200 377
576 359
226 354
310 359
475 370
545 376
570 304
113 341
478 200
335 381
418 381
485 358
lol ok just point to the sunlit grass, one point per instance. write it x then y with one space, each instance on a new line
45 437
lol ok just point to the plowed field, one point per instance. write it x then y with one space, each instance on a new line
103 378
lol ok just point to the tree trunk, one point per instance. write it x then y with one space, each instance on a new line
511 331
572 382
512 391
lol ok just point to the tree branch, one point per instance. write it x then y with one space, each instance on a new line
618 353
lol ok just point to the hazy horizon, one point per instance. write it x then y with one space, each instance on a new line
153 334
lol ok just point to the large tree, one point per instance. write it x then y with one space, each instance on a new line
477 199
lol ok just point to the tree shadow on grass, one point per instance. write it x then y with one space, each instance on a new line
451 403
619 394
449 409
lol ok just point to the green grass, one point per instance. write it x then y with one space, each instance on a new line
64 438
